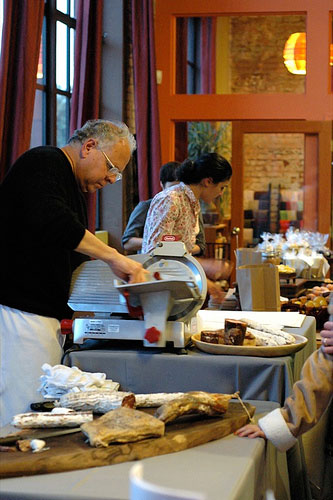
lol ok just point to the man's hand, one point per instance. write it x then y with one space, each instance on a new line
129 270
251 431
125 268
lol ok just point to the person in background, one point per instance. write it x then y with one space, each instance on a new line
176 211
43 221
310 397
132 237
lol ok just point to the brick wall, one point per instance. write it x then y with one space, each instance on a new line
273 157
256 54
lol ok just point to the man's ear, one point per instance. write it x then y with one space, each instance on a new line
87 146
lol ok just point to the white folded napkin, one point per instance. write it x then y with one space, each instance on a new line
59 379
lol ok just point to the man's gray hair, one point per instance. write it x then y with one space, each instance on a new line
106 132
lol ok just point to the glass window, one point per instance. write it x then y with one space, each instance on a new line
241 54
55 75
37 137
71 58
67 7
62 6
73 7
61 61
62 114
40 68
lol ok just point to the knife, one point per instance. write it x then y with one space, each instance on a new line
36 434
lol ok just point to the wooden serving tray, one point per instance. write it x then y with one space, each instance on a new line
71 452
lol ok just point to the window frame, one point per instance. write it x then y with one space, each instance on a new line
49 86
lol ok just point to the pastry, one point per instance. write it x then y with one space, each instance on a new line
249 339
234 331
212 336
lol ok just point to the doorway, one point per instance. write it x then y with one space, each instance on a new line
291 189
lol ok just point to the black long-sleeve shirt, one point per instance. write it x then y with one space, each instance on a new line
43 218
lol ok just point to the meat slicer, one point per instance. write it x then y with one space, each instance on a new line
155 312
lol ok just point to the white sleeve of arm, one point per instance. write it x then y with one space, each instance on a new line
276 430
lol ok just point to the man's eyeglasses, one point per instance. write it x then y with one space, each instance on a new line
112 169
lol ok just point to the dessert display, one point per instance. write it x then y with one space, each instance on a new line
298 253
313 303
247 332
233 333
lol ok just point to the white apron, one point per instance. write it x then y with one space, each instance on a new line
26 342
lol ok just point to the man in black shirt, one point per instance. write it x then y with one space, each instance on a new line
43 222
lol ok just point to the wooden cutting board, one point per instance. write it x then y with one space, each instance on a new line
71 452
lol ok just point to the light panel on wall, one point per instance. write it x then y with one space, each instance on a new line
294 54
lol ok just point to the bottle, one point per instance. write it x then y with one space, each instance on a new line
218 246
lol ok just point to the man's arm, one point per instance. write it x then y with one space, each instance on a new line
122 266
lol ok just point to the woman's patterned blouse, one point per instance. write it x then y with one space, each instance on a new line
173 211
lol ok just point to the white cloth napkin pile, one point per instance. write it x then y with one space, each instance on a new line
59 379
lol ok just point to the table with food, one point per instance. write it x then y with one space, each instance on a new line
151 376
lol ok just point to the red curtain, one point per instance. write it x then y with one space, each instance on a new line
22 29
87 75
208 55
145 95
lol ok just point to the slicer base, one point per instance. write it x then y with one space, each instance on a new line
124 329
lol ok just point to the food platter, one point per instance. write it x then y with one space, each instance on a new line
250 350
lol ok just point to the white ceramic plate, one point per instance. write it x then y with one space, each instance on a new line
250 350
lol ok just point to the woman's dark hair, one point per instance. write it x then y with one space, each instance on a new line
169 172
210 165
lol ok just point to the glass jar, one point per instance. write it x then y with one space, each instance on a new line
271 257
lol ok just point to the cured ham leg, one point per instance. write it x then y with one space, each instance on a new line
196 402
